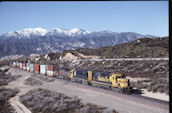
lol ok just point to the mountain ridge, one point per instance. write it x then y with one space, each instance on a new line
44 32
39 41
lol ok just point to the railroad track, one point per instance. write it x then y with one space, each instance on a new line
132 97
108 91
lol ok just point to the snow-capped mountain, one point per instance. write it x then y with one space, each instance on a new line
26 33
39 40
63 32
33 32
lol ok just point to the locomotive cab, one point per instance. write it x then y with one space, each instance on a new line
119 80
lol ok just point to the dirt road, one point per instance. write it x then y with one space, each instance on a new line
122 59
119 102
18 106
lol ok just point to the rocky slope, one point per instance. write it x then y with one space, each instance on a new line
144 47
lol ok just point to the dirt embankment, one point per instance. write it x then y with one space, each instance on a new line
71 56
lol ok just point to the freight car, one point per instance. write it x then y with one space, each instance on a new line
28 66
115 81
52 70
20 65
24 65
37 68
32 67
43 69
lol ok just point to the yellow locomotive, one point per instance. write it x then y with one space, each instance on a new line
115 81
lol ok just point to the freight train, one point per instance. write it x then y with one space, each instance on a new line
113 81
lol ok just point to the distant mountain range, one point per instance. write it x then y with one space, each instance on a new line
39 41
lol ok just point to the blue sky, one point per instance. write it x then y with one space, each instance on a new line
144 17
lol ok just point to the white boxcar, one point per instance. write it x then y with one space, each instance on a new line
21 66
43 69
14 64
32 67
18 65
28 67
50 73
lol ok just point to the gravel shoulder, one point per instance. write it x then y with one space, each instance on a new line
157 95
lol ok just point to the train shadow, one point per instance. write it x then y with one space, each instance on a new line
137 91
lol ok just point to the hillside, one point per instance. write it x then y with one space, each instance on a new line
144 47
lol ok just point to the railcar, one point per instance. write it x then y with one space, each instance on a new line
24 65
21 65
43 69
32 67
37 68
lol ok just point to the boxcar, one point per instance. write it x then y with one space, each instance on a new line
50 70
18 65
14 64
21 66
28 67
43 69
37 68
24 65
55 70
32 68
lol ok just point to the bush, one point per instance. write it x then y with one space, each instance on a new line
154 85
32 81
5 95
5 78
46 101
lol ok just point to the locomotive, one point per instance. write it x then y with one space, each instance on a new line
109 80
